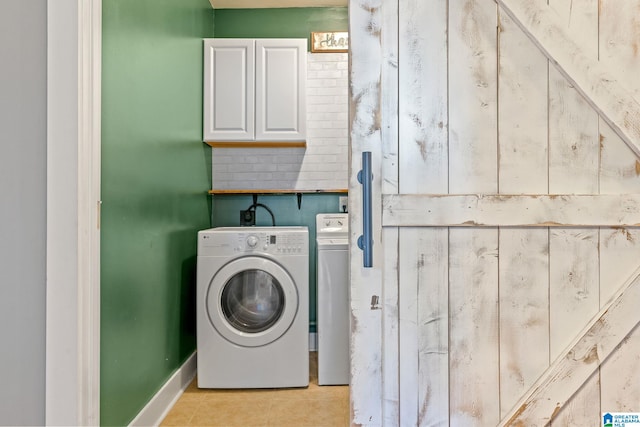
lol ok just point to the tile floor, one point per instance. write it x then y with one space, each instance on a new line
315 406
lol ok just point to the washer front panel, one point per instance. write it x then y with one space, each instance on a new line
271 277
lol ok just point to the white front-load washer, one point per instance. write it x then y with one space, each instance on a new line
253 307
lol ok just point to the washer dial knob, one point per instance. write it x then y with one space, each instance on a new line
252 241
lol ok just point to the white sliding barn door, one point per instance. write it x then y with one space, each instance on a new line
506 204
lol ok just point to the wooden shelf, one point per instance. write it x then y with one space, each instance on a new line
257 144
275 192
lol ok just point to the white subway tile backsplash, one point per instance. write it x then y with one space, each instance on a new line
320 116
311 66
223 160
325 133
252 159
338 90
269 167
334 167
319 124
325 74
324 149
324 158
287 167
322 83
287 159
323 165
321 99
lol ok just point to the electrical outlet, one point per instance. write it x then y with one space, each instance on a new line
247 218
343 203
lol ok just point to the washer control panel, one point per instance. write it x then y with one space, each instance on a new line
272 243
225 241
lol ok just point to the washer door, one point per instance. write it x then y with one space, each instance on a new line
252 301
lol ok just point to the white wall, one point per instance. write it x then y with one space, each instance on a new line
323 164
23 71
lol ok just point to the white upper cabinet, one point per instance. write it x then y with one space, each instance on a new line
281 79
229 82
255 90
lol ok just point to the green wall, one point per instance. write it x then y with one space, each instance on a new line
155 173
280 23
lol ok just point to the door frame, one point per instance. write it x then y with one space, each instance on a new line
72 376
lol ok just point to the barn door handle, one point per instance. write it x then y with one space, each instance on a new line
365 241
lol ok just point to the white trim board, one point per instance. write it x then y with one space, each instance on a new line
72 374
161 403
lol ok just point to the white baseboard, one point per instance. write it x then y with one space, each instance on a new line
313 341
160 404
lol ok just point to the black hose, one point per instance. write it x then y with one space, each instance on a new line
255 205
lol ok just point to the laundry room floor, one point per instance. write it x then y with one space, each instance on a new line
315 406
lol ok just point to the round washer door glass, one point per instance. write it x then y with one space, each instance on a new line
252 301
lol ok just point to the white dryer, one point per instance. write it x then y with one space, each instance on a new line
332 232
253 307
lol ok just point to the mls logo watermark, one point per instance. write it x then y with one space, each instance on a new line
621 419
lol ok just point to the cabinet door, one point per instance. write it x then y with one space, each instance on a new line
229 81
281 78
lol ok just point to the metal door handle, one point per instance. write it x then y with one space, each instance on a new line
365 241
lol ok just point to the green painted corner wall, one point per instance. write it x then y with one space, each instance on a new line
280 23
155 172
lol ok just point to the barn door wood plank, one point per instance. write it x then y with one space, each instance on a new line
473 260
573 168
619 26
573 124
423 252
573 301
619 40
365 134
594 79
608 328
619 166
524 253
620 392
389 163
620 173
492 210
620 250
